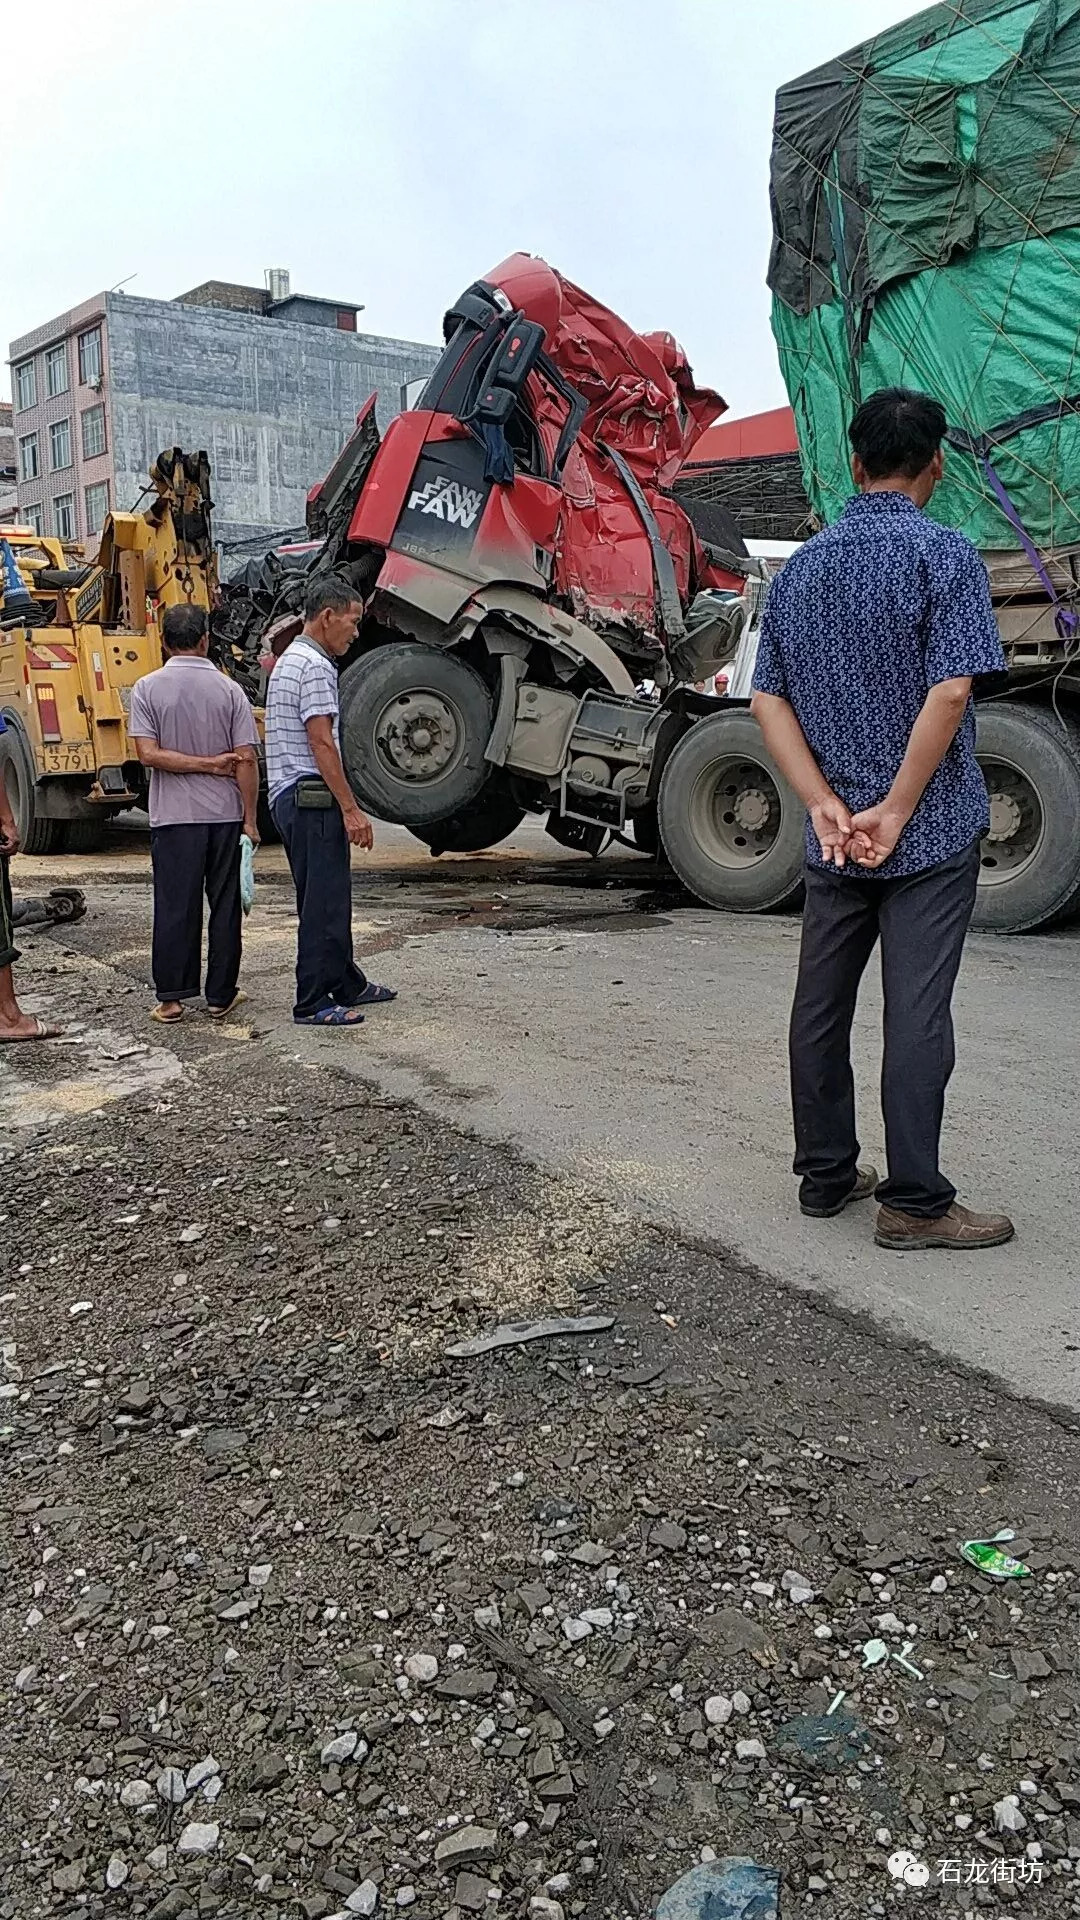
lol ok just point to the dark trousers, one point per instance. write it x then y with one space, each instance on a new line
921 921
188 862
8 950
318 851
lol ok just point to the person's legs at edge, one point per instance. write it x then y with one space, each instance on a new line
924 919
840 926
224 938
12 1017
14 1023
178 857
318 854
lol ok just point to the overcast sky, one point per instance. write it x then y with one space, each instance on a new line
388 152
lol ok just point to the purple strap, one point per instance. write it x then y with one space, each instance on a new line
1066 619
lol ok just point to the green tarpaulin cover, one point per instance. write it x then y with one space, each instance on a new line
926 233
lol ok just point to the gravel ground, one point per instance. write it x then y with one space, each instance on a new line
301 1616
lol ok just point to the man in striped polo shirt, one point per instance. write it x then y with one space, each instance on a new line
315 810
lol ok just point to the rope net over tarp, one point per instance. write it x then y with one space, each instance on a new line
926 233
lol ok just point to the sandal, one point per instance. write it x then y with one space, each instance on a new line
222 1013
330 1017
43 1031
374 996
166 1019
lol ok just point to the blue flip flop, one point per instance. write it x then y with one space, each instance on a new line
375 996
330 1017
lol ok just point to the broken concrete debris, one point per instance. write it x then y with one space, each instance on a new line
295 1651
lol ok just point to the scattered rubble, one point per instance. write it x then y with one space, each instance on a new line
282 1643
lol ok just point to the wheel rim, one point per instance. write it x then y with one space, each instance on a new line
419 736
1017 824
735 812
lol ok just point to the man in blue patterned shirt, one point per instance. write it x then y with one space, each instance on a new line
872 636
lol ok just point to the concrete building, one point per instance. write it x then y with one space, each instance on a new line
8 489
267 381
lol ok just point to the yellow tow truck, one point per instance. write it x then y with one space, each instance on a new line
74 638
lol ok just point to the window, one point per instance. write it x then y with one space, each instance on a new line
28 457
97 506
31 517
90 355
56 369
64 516
93 432
60 444
26 386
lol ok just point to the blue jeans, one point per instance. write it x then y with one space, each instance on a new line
318 852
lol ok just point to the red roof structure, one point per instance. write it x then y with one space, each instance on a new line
750 470
750 438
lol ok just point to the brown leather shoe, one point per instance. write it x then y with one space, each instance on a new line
906 1233
866 1179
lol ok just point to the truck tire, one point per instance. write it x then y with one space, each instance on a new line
17 772
1030 873
730 825
493 816
414 726
82 836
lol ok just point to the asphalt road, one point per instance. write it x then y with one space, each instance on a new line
606 1028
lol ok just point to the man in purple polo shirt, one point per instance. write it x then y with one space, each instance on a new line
195 731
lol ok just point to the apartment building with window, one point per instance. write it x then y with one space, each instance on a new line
57 385
8 469
267 381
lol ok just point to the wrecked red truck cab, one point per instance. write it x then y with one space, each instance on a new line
524 568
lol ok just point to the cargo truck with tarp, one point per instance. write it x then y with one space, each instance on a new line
926 233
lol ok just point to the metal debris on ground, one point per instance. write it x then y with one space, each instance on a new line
515 1332
46 910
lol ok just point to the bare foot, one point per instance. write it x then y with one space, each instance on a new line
27 1027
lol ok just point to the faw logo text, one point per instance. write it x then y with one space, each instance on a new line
448 500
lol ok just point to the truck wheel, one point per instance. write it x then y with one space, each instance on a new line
493 816
730 825
17 772
414 726
1030 874
82 836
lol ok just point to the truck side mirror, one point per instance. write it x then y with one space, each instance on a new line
522 345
